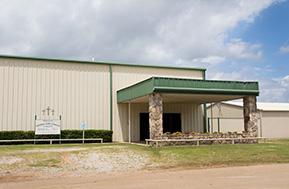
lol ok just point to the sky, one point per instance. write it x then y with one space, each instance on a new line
234 40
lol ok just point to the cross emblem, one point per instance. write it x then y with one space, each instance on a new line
48 110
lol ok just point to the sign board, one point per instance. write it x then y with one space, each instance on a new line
83 125
47 127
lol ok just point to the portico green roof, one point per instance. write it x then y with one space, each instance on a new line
191 86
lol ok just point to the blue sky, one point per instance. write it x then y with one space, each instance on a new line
270 30
234 40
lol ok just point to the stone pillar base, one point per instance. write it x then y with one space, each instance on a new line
155 115
250 116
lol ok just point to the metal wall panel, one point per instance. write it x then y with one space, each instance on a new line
271 124
224 110
78 92
275 124
232 118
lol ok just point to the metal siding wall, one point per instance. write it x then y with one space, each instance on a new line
227 111
135 127
275 124
124 76
237 125
198 118
79 92
229 125
190 115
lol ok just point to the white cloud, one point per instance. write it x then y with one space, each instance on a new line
235 75
284 81
274 95
243 50
271 89
284 49
209 60
157 32
187 32
275 90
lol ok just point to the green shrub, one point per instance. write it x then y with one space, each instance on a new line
13 135
65 134
105 134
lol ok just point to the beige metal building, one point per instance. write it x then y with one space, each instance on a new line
109 96
273 118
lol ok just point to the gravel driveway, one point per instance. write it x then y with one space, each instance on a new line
261 176
72 161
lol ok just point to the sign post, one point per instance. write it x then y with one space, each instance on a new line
83 126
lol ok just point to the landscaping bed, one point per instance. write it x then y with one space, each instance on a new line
106 135
192 138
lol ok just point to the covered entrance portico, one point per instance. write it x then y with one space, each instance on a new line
159 91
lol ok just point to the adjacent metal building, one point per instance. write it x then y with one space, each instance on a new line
108 95
273 118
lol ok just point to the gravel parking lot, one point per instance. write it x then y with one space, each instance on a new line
56 162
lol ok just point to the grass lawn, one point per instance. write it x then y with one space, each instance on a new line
273 151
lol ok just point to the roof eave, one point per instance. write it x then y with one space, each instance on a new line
99 62
205 91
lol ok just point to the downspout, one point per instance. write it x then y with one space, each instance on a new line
129 124
110 97
212 119
261 124
204 109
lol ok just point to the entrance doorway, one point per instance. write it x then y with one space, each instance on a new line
171 123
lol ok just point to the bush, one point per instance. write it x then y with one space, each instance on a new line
65 134
105 134
11 135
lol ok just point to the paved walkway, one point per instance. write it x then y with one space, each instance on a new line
261 176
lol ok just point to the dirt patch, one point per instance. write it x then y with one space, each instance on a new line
14 178
9 160
263 176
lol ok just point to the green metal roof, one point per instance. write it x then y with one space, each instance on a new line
193 86
99 62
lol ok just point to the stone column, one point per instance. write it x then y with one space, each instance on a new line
250 115
155 115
